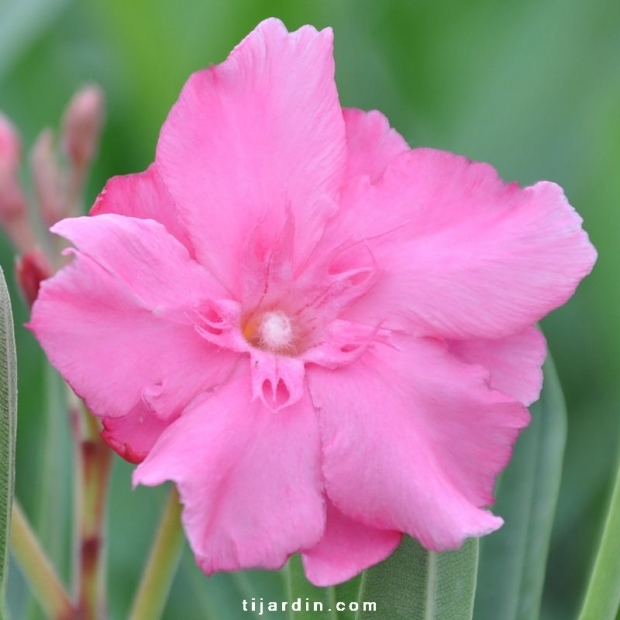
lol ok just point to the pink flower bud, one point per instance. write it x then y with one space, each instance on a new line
82 125
10 147
13 204
47 178
10 155
30 270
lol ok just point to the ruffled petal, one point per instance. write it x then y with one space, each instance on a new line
133 435
142 195
249 478
413 440
371 143
120 311
347 548
514 363
253 138
463 254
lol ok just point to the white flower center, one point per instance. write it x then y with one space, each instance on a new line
275 331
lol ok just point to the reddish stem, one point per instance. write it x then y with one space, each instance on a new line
93 460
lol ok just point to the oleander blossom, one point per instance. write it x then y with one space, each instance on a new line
324 338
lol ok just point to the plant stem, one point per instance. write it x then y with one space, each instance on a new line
93 459
162 563
602 599
37 569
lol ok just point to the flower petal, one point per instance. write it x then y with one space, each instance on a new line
277 380
347 548
514 363
120 311
249 478
133 435
142 195
464 255
413 440
371 143
250 138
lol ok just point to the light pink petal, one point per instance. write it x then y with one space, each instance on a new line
463 254
115 322
514 363
142 195
371 143
413 440
249 139
346 549
249 478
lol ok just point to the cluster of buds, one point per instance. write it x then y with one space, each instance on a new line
58 180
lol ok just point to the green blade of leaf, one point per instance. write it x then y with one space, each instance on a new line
602 601
226 596
347 593
8 428
53 512
513 559
52 517
310 601
416 584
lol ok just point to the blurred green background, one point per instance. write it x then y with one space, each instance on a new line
531 86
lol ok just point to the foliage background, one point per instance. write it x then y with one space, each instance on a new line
532 86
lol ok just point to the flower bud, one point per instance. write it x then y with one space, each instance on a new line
30 270
10 147
47 178
13 204
82 125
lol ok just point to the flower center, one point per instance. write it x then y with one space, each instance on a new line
271 331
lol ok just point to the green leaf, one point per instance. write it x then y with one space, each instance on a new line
416 584
53 513
513 559
321 602
346 593
8 428
602 601
52 516
226 596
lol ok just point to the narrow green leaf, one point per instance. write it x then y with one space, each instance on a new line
226 596
257 584
305 601
347 593
52 518
513 559
416 584
602 601
8 428
53 511
152 594
215 598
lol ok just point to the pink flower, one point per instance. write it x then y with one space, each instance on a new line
324 338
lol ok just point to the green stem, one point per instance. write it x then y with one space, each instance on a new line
37 569
157 578
603 595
